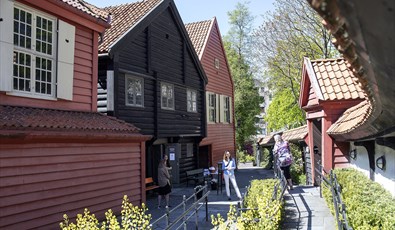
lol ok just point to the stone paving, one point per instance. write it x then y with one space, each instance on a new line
314 213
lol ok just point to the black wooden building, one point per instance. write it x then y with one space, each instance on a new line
150 76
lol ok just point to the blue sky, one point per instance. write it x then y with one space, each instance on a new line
200 10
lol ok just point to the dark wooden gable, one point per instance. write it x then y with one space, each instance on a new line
158 50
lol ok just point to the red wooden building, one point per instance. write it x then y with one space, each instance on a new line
207 41
57 154
328 88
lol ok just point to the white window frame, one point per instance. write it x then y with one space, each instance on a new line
34 56
61 70
167 96
128 91
227 109
191 100
212 112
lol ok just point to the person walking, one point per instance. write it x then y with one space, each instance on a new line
164 189
228 168
282 153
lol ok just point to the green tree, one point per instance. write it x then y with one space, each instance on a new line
246 99
288 34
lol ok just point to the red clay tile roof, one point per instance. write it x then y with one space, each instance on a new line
87 8
351 119
198 33
123 18
37 119
295 134
336 80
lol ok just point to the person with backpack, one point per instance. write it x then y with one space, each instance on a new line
282 153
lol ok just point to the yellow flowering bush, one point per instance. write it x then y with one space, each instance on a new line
262 213
132 217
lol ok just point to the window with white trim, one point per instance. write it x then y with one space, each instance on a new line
191 100
167 96
36 53
212 107
34 56
226 109
134 87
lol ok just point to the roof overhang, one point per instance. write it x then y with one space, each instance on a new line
364 34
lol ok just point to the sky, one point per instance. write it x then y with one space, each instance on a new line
200 10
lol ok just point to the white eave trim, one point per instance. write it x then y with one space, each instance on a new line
313 78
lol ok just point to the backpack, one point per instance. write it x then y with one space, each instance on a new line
284 155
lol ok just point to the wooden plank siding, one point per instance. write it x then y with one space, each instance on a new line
83 98
220 136
41 182
164 51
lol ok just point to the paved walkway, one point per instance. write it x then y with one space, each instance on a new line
218 203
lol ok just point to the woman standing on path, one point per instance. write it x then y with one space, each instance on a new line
164 181
282 153
228 167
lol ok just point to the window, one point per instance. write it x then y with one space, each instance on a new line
134 87
216 63
37 53
191 100
212 107
167 96
227 109
34 56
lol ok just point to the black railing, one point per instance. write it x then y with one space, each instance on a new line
180 221
339 206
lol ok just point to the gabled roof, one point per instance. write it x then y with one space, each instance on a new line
332 79
296 134
87 8
291 135
199 34
123 19
16 118
351 119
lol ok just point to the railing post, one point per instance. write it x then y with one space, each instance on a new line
206 201
321 172
184 206
167 216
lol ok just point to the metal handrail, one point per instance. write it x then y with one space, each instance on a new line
333 184
183 218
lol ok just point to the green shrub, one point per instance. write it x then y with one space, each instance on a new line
264 212
266 159
298 177
243 157
368 204
133 217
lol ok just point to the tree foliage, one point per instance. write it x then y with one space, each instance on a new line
246 96
291 32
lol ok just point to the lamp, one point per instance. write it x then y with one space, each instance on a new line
353 153
380 162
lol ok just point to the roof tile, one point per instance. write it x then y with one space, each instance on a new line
123 18
198 33
37 119
335 79
351 118
87 8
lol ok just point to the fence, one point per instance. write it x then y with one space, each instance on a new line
189 211
339 206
